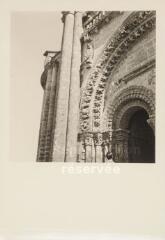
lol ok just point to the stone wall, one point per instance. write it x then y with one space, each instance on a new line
141 54
120 77
116 71
101 36
50 83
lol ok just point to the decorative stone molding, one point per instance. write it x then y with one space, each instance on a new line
118 114
88 139
151 79
96 20
120 145
132 29
88 56
98 138
120 134
151 122
137 71
51 58
87 38
124 112
129 99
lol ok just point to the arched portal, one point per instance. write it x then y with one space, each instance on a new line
93 89
133 138
131 120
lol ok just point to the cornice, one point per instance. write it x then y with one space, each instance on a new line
52 58
137 71
94 23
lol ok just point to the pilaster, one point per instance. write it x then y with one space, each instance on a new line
74 92
63 92
42 154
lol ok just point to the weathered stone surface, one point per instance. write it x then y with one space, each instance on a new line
107 74
74 92
63 91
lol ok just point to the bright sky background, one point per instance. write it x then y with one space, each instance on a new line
32 33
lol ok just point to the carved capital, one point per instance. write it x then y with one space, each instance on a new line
98 139
120 135
65 13
120 145
88 139
151 122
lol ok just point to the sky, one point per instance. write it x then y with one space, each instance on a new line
32 33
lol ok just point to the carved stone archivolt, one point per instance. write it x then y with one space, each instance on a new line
126 103
119 112
135 26
94 21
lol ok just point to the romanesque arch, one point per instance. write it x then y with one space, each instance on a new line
132 101
92 95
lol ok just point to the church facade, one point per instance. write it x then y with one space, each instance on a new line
99 89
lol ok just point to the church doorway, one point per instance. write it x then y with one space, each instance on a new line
141 139
133 138
131 118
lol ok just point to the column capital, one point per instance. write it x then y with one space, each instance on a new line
88 139
151 121
120 134
98 139
65 13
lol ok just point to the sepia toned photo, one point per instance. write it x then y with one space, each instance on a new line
82 120
99 89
